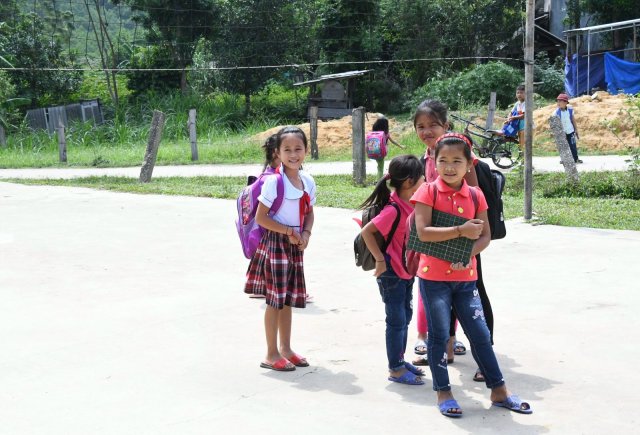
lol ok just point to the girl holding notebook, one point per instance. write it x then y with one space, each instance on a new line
444 285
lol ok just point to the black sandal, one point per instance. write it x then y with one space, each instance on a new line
478 377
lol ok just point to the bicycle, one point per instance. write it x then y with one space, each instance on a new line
504 151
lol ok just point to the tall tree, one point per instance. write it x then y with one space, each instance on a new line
610 11
256 36
176 26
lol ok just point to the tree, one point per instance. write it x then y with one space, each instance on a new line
176 27
611 11
255 34
46 74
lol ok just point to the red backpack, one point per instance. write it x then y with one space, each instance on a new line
375 143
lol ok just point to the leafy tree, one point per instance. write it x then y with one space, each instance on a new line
175 28
604 12
45 78
257 33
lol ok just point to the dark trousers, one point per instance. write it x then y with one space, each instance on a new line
571 139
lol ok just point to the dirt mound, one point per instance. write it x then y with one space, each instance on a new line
593 115
334 134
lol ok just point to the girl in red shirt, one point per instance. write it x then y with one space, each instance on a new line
444 285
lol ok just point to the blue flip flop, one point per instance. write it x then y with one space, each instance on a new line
513 403
448 405
413 369
407 378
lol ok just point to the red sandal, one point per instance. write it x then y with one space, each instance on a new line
298 361
280 366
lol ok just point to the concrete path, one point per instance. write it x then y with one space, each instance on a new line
541 164
124 314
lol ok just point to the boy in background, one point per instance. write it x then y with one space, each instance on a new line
568 124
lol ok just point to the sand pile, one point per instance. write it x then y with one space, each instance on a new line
334 134
593 114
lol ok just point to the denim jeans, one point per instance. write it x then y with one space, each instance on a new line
439 297
571 140
397 296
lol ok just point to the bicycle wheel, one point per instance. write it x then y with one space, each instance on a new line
504 154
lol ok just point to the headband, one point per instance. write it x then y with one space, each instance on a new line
459 136
387 176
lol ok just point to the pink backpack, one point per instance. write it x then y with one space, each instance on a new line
375 143
249 231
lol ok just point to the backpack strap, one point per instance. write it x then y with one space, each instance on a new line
394 227
279 193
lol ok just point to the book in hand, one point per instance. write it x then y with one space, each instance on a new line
456 250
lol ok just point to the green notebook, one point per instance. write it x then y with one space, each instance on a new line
456 250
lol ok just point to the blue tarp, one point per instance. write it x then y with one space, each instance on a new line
621 75
576 79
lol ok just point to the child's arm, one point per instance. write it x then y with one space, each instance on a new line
575 126
306 230
368 235
395 143
265 221
485 236
471 229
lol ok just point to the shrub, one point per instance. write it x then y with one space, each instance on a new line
472 86
550 79
623 185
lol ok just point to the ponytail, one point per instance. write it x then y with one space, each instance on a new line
401 168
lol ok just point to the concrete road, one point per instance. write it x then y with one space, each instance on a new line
541 164
124 314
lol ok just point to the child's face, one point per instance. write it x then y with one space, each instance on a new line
562 104
520 95
429 129
292 151
452 165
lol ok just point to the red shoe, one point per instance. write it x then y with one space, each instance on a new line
282 365
298 361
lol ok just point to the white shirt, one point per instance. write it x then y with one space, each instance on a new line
289 212
567 125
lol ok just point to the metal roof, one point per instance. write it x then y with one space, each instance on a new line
605 27
339 76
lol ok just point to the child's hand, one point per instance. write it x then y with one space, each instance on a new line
304 242
472 229
381 267
460 266
295 238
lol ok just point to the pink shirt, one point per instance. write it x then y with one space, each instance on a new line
384 221
454 202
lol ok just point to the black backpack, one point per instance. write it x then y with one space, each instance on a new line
491 182
363 256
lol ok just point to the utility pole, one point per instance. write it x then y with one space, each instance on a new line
528 114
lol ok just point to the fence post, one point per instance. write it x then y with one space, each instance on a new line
563 149
191 124
155 134
62 142
359 166
492 111
313 130
3 137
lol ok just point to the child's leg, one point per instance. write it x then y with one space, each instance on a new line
571 139
284 330
521 139
408 312
421 320
437 299
466 300
393 292
271 320
380 168
484 298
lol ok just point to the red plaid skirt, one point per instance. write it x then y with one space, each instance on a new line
276 271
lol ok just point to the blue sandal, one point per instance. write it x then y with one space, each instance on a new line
449 405
407 378
413 369
513 403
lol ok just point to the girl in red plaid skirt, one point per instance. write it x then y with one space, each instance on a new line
276 269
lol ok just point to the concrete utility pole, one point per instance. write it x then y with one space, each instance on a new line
528 114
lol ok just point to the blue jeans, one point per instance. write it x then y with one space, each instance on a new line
571 140
397 296
438 298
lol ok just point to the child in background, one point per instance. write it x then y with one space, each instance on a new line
276 269
382 124
568 124
394 282
517 116
444 285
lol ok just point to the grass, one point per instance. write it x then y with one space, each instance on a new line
339 191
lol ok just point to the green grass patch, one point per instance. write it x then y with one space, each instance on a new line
339 191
